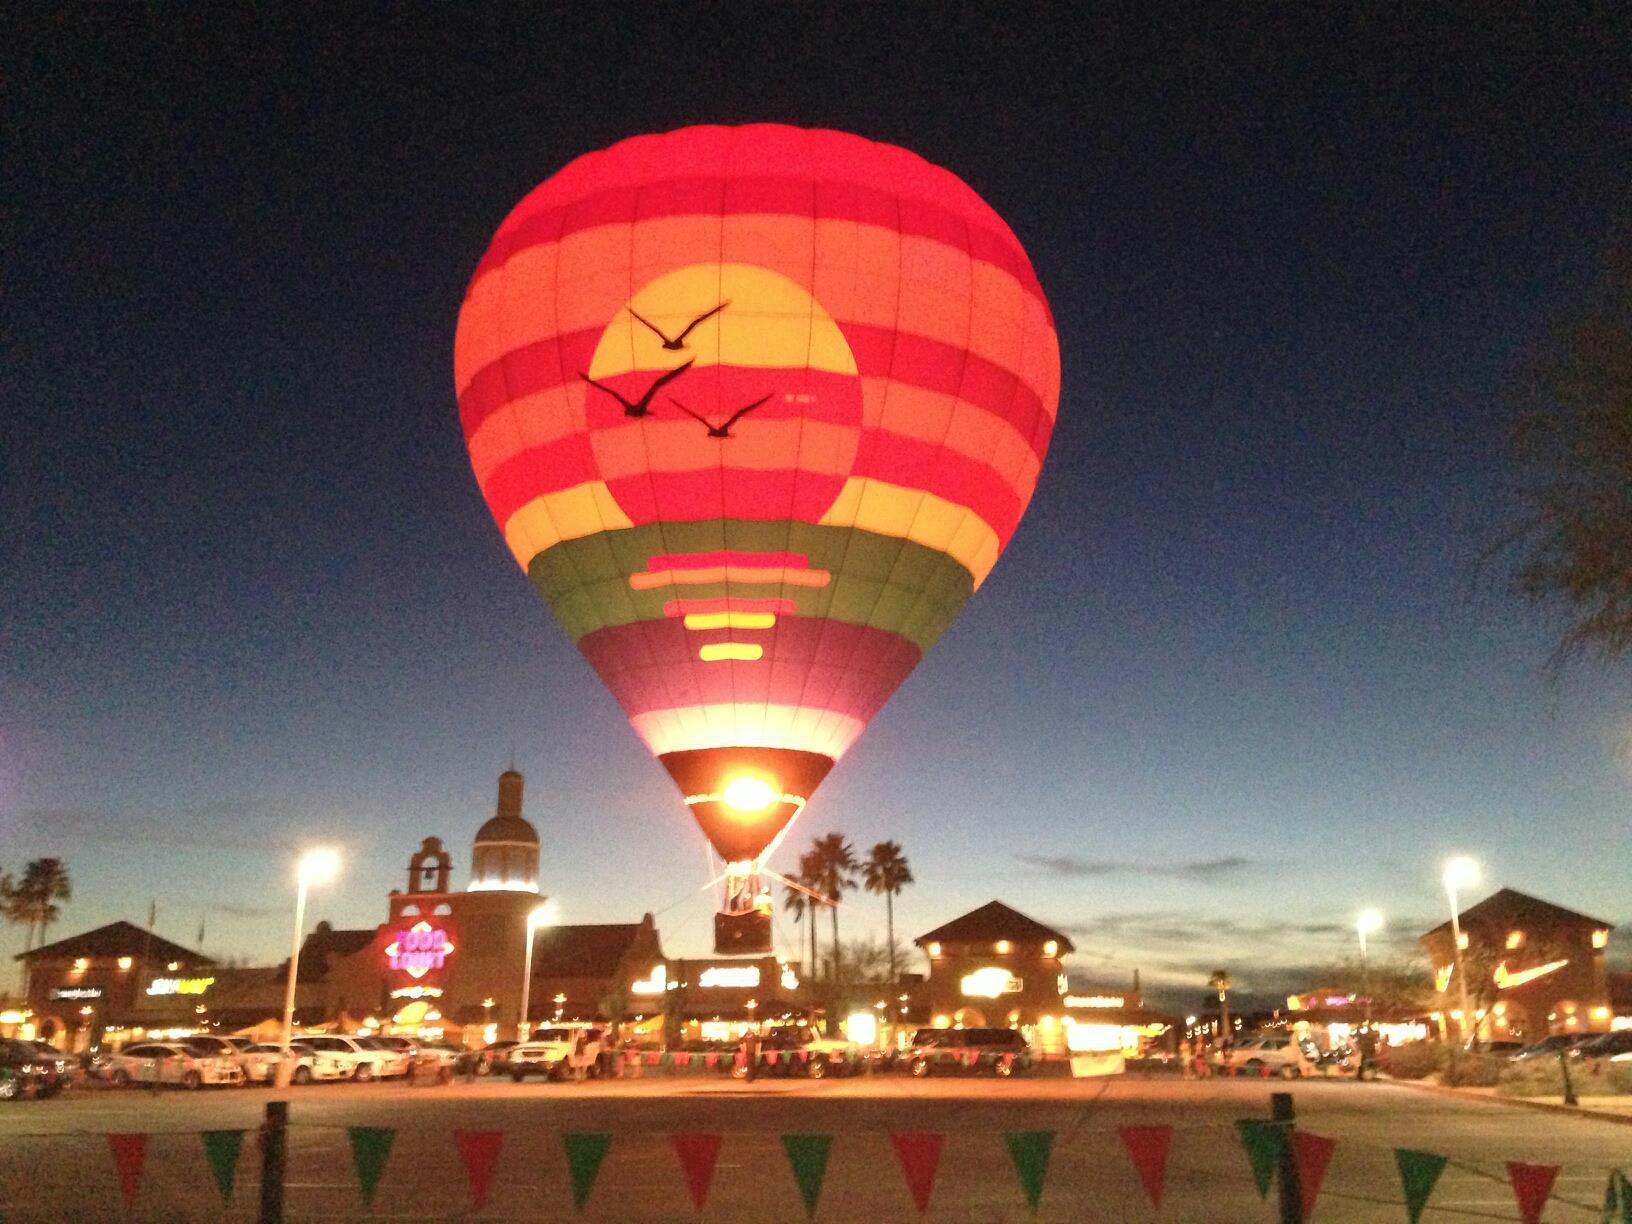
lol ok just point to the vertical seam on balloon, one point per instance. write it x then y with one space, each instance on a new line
719 363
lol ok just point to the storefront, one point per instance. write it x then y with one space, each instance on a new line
719 1000
1105 1020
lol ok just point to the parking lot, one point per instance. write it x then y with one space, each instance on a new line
55 1162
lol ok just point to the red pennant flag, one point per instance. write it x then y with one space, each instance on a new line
1311 1154
1147 1149
771 1057
711 1059
741 1059
920 1155
804 1056
1532 1186
1008 1060
683 1059
697 1155
480 1152
653 1058
129 1153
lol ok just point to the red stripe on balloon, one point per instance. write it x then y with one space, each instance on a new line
819 664
725 556
763 195
688 607
953 477
544 469
757 496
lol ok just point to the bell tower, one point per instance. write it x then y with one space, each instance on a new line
429 868
505 855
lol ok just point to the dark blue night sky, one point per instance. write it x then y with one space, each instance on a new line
1240 673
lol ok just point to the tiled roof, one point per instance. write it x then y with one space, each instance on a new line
116 939
322 944
1509 906
994 920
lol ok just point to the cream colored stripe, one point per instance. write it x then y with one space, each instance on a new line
747 726
911 514
565 515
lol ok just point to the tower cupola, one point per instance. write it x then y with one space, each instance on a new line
505 856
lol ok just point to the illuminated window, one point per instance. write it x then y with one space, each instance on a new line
1600 1013
1600 939
1515 939
1051 948
1003 945
934 949
124 962
173 966
82 964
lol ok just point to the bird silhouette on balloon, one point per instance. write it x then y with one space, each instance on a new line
643 405
719 431
679 342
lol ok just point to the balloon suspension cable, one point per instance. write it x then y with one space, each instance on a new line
798 887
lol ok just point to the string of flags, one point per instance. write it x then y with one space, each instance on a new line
918 1153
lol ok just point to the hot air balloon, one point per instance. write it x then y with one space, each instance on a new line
756 409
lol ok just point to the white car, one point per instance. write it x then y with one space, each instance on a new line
309 1065
170 1062
210 1046
550 1053
394 1062
363 1060
1279 1054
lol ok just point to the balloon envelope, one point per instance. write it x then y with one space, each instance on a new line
756 409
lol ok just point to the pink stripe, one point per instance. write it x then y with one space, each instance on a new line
726 556
685 607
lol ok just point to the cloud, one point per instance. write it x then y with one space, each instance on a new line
1069 866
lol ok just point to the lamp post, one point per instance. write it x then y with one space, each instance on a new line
1220 981
1369 922
538 916
318 866
1460 872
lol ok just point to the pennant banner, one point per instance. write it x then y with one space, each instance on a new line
1532 1187
585 1151
370 1145
807 1157
1264 1142
129 1154
920 1155
1311 1154
221 1149
1029 1150
698 1154
1419 1172
1147 1149
479 1151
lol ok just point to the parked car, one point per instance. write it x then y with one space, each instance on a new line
394 1062
552 1053
63 1066
309 1064
1550 1047
948 1050
212 1046
361 1062
1279 1054
494 1057
171 1062
1502 1047
799 1051
1616 1046
25 1072
260 1062
442 1056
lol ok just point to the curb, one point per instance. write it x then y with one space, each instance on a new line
1569 1111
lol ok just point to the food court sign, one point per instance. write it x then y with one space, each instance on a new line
419 949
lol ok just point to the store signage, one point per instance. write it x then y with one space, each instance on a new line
417 992
655 982
1094 1000
76 992
733 977
1339 1000
179 986
419 949
1507 981
990 982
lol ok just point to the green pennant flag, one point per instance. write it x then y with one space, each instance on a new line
1419 1171
1264 1142
807 1155
1617 1199
585 1151
1030 1151
370 1145
221 1149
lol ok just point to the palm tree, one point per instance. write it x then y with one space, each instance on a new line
12 907
801 902
886 871
34 899
834 860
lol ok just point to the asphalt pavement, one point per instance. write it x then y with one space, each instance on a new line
55 1162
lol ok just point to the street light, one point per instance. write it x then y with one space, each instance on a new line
319 866
1369 922
539 916
1460 872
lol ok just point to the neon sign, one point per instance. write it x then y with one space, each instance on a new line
76 992
653 983
419 949
1094 1000
990 982
417 992
1506 980
734 976
179 986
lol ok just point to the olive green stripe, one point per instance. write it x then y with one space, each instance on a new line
878 581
